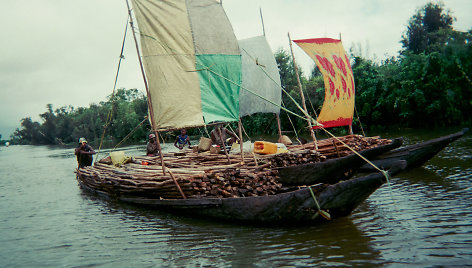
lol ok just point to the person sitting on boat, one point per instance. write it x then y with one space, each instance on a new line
227 141
182 139
152 149
84 153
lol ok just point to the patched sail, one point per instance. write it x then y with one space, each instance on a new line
332 61
260 75
192 62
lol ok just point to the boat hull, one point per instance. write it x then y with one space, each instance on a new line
338 200
415 155
332 170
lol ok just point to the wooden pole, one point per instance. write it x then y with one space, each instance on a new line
151 111
176 183
223 143
262 21
278 125
240 130
350 126
312 133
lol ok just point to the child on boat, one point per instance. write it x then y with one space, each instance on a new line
182 139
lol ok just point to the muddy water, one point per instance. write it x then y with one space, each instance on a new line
423 218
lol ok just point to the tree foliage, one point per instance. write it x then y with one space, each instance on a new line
428 30
65 125
428 84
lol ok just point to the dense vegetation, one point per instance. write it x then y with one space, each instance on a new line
65 125
426 85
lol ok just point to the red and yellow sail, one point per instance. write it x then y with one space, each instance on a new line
332 61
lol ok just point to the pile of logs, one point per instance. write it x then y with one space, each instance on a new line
334 147
149 181
202 175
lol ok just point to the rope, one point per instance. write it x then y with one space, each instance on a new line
110 113
358 118
293 126
252 92
206 131
312 108
245 133
315 123
385 173
321 212
129 134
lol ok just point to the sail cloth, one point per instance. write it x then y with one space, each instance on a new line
260 75
332 61
192 62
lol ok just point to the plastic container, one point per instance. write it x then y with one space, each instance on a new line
281 148
248 147
117 157
265 147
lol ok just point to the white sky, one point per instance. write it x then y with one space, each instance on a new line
66 52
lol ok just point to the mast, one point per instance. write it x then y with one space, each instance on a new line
276 114
312 133
151 111
240 133
262 22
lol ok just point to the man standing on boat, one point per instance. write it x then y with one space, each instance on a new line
182 139
152 149
84 153
217 140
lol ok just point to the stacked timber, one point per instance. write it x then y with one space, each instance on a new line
205 175
149 181
336 147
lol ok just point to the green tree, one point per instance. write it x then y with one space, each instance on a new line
427 29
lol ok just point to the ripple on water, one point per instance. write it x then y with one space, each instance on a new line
422 219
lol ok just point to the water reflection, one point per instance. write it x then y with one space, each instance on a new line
338 242
424 218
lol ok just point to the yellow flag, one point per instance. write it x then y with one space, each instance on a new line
332 61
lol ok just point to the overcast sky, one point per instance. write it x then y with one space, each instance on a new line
66 52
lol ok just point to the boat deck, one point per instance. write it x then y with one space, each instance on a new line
213 175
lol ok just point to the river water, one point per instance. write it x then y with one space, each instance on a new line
423 219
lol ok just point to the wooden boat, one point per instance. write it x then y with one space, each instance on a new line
297 204
417 154
331 170
201 60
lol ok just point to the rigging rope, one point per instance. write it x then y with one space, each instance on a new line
110 113
315 123
252 92
358 118
293 126
129 134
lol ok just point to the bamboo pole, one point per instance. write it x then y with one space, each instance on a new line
262 21
176 183
312 133
151 110
223 143
278 125
240 123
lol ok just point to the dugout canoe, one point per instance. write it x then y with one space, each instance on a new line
417 154
337 200
331 170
